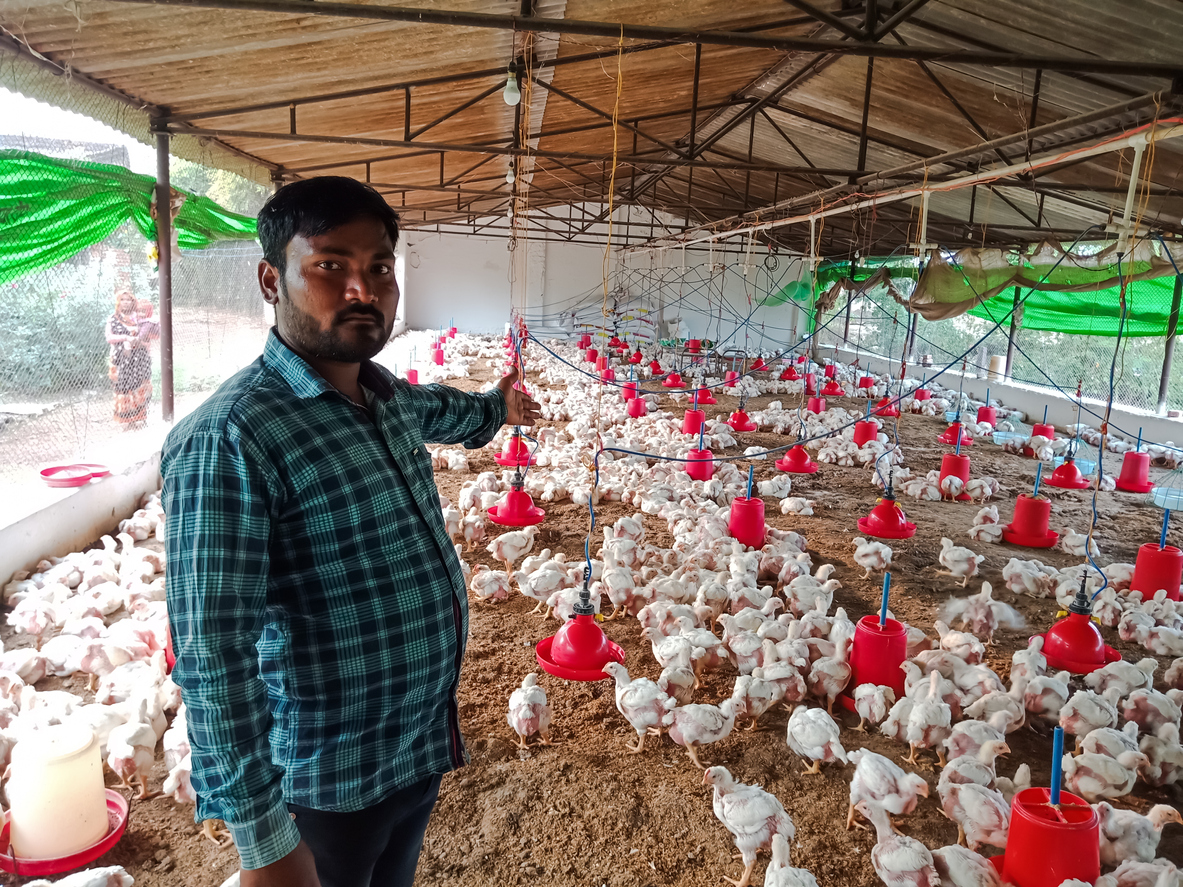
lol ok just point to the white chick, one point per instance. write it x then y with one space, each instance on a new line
960 867
489 585
871 555
1078 544
959 562
111 876
780 873
1125 675
509 547
872 702
131 751
529 712
982 488
698 724
797 505
1099 776
473 528
813 736
982 815
883 784
898 860
753 696
751 814
641 701
1126 834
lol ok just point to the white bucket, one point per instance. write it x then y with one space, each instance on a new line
997 367
58 803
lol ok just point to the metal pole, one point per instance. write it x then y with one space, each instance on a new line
164 241
1014 331
912 337
1168 356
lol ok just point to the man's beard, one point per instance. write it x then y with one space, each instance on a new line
305 333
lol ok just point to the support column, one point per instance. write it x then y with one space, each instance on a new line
164 240
1014 331
1168 356
911 349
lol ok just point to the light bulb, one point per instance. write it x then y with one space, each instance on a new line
511 93
510 178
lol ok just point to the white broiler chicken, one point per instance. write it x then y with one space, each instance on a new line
1150 709
1164 757
539 585
961 644
1126 676
752 815
696 724
982 488
1086 711
982 815
529 712
489 585
813 736
961 563
753 696
1078 544
898 860
1100 776
131 751
929 722
110 876
1127 834
872 702
960 867
472 528
509 547
884 784
1008 788
780 872
871 555
641 701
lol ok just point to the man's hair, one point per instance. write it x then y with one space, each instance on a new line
311 207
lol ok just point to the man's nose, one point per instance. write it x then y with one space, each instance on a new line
359 289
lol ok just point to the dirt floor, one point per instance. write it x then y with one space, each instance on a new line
584 812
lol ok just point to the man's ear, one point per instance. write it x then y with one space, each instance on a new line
269 282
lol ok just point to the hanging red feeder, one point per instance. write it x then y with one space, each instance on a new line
888 406
875 656
810 384
607 375
117 814
694 346
515 454
673 380
614 342
700 464
579 650
438 357
1135 473
953 433
1074 643
655 367
800 358
1050 844
828 371
864 431
1042 430
692 421
797 461
1028 527
591 355
1158 568
602 362
989 415
866 382
638 407
833 389
636 357
759 366
1067 476
922 394
816 405
519 510
730 377
887 521
789 374
584 341
705 397
957 466
413 377
739 421
747 521
628 390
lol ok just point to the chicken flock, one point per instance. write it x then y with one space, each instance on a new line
765 617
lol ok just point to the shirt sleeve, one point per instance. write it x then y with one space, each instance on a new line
219 497
449 416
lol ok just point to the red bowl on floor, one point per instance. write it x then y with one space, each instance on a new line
96 470
67 475
117 814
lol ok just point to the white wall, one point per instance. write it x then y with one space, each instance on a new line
459 278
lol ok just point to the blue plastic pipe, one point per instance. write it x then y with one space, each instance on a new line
751 471
1162 540
883 605
1057 756
702 429
1038 477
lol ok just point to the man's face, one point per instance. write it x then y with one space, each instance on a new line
337 298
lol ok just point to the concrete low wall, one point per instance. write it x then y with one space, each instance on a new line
1061 411
76 518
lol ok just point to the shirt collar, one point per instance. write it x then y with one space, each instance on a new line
307 382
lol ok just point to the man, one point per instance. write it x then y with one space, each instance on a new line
317 607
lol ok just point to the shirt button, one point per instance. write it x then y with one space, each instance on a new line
415 452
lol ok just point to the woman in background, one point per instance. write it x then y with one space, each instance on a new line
131 362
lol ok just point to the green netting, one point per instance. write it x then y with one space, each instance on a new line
51 209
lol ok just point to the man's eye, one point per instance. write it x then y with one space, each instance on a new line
328 265
381 269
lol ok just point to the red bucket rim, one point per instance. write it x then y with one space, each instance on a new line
118 811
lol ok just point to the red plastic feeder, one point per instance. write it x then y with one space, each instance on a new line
636 357
591 355
876 655
694 346
1157 568
1043 430
413 377
1049 845
828 371
117 813
1135 473
739 421
989 415
866 382
1074 643
810 384
705 397
957 466
759 366
887 521
953 432
614 342
797 461
700 464
1068 477
607 375
673 380
816 405
584 341
515 454
747 521
451 332
438 357
1029 525
866 430
578 651
888 406
729 378
833 389
922 394
638 407
789 374
655 367
602 362
519 510
628 390
692 421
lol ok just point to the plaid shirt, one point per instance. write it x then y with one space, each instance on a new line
317 607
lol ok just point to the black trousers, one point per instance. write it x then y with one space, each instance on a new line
375 847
